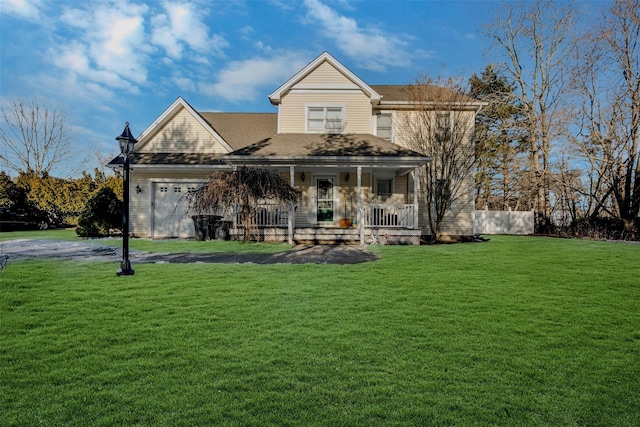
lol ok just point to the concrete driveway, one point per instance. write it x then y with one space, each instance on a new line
90 251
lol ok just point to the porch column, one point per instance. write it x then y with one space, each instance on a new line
360 210
292 208
415 198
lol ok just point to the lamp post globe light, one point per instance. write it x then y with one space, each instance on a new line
127 142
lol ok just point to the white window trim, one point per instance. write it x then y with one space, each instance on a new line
393 128
449 119
393 186
342 106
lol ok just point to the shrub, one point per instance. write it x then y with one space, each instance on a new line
101 214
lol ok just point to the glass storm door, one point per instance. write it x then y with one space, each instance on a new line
324 188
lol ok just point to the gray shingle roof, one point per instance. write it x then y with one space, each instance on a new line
323 145
404 93
170 159
241 129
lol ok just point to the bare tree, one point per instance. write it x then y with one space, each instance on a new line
535 38
243 189
35 139
607 78
439 123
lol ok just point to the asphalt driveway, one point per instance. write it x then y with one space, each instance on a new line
89 251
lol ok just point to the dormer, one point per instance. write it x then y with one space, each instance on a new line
324 97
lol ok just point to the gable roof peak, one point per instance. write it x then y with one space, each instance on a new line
325 56
168 114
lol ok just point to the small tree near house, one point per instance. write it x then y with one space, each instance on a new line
241 189
439 123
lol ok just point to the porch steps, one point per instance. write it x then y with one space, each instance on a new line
383 236
335 235
326 236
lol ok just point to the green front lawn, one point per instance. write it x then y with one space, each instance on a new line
517 331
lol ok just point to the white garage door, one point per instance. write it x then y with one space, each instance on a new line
170 215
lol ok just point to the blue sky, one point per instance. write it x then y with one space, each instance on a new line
108 62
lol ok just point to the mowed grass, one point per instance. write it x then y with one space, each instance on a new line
516 331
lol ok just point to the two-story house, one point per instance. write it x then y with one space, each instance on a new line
333 138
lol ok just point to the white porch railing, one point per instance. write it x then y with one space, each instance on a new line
375 215
268 215
394 215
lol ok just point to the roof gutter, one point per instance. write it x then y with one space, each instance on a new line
337 161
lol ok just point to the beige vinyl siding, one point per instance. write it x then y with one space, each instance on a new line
459 221
183 134
302 215
400 190
324 74
292 111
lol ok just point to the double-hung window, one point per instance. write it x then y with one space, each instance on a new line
325 119
384 126
443 126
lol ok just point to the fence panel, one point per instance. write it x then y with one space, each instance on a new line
503 222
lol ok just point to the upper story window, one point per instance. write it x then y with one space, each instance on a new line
443 126
384 126
325 119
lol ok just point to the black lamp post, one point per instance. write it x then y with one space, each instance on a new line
127 142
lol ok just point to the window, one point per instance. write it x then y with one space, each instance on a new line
443 126
385 130
325 119
384 189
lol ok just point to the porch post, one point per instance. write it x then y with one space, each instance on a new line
415 198
292 209
360 210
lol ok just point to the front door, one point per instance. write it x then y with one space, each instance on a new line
324 190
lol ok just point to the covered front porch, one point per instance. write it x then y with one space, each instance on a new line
355 188
361 204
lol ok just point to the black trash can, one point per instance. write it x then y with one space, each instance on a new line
204 226
221 230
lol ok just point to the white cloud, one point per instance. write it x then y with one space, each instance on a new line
372 48
112 47
246 32
23 9
240 80
184 84
181 26
282 4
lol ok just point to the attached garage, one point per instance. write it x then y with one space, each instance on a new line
171 217
176 154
